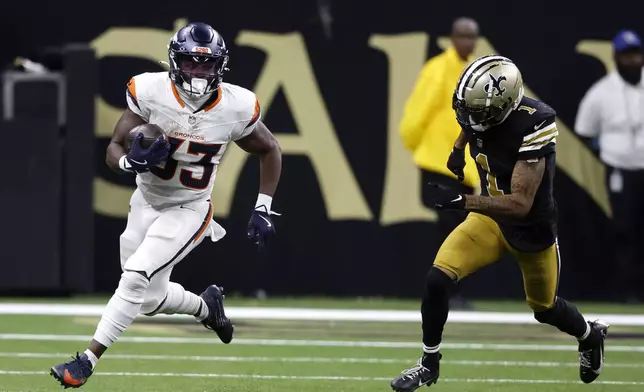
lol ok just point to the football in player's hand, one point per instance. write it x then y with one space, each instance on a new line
150 133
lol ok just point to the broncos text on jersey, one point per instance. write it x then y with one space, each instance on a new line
529 132
198 138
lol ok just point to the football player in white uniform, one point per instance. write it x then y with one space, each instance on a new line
170 210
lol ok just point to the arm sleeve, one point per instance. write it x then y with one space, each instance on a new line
587 123
539 140
134 103
249 126
421 105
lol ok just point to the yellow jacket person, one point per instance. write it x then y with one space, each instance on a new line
429 128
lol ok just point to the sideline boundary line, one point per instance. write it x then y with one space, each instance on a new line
306 314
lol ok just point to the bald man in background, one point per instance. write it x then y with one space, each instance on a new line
429 128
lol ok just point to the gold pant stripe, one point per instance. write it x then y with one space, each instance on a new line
478 242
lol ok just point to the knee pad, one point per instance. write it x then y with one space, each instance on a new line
435 303
438 282
132 287
540 307
545 315
165 303
152 306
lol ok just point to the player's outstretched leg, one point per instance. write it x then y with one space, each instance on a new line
591 335
119 313
217 321
434 310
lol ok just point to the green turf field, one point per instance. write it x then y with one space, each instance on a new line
288 356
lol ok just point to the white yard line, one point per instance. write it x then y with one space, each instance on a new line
323 378
199 358
306 314
316 343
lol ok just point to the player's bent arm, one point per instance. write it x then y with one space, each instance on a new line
262 143
461 141
116 148
526 178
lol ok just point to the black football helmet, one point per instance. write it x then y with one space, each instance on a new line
198 58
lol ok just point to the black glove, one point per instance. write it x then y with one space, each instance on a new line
261 227
456 162
445 198
142 159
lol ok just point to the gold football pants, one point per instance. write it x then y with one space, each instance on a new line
478 242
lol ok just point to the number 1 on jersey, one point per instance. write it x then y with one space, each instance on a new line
491 183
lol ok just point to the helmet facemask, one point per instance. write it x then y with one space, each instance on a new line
478 116
197 74
484 116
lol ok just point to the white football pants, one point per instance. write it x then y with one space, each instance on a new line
154 241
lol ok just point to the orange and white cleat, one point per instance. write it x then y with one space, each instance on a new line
73 374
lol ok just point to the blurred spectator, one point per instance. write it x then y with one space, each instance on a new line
613 111
429 128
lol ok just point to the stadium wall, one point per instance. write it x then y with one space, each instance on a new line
353 222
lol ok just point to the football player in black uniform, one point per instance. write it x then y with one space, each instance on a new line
512 139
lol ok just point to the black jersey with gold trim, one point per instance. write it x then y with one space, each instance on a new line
529 132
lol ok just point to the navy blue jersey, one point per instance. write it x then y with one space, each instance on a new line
528 133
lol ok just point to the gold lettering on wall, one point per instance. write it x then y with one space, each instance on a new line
401 201
601 50
288 67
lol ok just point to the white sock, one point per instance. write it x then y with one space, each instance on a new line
180 301
431 350
586 334
204 312
122 308
92 358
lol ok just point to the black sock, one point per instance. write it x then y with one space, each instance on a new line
566 318
431 361
435 307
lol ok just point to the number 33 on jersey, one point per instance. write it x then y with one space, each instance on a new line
198 136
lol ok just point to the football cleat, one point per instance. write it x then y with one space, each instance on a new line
591 352
424 373
73 374
217 320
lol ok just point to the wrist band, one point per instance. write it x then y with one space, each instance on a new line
264 200
124 165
